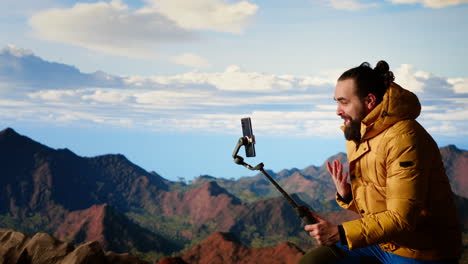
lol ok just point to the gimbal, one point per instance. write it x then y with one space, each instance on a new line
301 210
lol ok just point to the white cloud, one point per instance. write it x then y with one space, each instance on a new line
54 95
326 107
431 3
191 60
427 85
112 27
351 5
217 15
111 96
197 101
446 128
15 51
406 77
234 79
450 115
108 27
460 85
354 5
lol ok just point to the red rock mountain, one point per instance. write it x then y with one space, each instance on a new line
34 177
456 166
111 229
91 199
225 248
207 203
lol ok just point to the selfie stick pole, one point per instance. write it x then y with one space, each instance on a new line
302 211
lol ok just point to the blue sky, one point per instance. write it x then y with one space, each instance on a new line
166 82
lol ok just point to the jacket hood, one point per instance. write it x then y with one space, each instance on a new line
397 104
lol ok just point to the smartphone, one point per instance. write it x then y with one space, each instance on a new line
247 132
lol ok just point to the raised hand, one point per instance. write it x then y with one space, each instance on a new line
341 180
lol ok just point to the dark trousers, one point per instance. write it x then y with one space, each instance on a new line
340 254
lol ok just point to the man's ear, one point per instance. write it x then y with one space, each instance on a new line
370 102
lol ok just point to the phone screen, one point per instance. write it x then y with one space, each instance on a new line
247 132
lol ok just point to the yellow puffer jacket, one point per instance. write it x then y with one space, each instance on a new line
399 185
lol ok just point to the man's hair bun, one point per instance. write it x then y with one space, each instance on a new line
382 69
368 80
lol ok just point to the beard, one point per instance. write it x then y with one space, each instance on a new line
352 131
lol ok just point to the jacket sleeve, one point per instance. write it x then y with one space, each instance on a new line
406 187
348 205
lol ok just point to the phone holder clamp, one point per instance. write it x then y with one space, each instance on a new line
240 160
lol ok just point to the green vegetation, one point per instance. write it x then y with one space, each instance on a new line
171 228
148 256
464 257
28 225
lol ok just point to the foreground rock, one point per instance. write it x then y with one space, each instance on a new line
16 247
225 248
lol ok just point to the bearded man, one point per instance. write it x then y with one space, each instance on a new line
396 180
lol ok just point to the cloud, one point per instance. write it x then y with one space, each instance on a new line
351 5
431 3
446 129
428 85
202 102
217 15
406 77
191 60
21 70
354 5
113 28
108 27
15 51
460 85
234 79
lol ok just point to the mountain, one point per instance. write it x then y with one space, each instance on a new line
456 166
207 203
75 198
266 219
113 230
225 248
42 183
312 184
110 200
36 177
270 221
45 249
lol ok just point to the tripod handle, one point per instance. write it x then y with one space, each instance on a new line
306 216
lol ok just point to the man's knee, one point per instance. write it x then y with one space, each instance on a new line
321 255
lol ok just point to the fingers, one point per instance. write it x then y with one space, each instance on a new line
329 167
333 168
318 232
316 216
338 167
345 177
311 228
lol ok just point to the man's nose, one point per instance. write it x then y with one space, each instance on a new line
339 111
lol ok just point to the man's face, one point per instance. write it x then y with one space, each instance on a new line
350 108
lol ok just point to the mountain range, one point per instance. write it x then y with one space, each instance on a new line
124 208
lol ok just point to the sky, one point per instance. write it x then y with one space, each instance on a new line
166 82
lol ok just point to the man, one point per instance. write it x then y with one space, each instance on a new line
397 180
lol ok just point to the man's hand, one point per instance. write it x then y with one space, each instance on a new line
324 232
341 180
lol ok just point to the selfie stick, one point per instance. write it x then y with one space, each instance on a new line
301 210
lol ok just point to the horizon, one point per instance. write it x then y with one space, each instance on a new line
165 83
188 181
